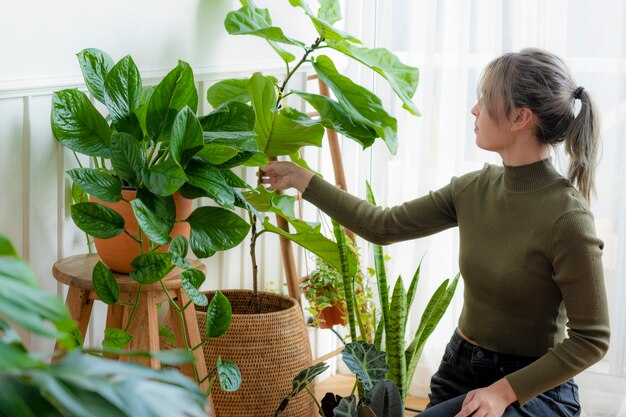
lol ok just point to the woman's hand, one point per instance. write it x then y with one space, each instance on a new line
283 175
490 401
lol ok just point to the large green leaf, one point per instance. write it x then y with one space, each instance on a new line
97 183
225 91
173 93
191 280
229 375
347 407
121 96
363 106
347 278
217 154
186 139
385 400
155 227
395 337
329 11
401 77
277 134
163 206
128 157
366 362
263 200
324 28
218 315
215 229
251 20
151 267
165 178
104 284
229 117
210 179
97 220
78 125
95 65
116 338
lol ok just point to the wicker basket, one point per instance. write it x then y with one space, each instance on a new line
270 349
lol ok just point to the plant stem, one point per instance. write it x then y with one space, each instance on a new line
199 346
208 375
255 268
132 311
338 335
77 160
317 403
312 48
356 383
133 237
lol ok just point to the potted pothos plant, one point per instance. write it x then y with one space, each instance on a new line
149 157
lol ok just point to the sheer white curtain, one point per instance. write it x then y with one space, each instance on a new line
451 41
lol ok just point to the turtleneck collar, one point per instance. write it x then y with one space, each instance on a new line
530 177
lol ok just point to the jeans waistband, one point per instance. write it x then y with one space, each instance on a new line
481 355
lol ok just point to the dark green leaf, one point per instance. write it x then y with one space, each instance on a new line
229 90
229 117
95 65
186 139
210 179
191 281
178 248
366 362
155 227
217 154
346 407
385 400
165 178
121 96
97 183
97 220
363 106
173 93
116 338
6 247
234 180
305 377
218 315
254 21
215 229
173 356
78 125
195 277
104 284
229 375
394 341
163 207
151 267
128 157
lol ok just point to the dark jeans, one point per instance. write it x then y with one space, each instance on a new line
465 367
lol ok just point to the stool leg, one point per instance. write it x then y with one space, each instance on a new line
115 318
79 306
145 328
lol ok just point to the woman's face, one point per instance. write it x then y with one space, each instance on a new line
490 135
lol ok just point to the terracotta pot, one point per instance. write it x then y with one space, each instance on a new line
330 316
118 252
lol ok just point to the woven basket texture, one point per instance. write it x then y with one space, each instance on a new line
269 348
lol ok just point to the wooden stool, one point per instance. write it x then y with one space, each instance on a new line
75 271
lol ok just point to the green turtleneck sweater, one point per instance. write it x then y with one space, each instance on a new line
529 257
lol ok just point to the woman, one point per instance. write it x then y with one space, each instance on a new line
529 255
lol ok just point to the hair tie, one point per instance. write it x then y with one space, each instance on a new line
578 93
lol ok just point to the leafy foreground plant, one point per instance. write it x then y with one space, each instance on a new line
83 383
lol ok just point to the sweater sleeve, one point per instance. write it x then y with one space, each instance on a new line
576 256
417 218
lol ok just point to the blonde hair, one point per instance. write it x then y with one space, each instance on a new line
540 81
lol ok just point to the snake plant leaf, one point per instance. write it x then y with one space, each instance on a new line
226 91
218 315
329 11
116 339
250 20
229 117
151 267
179 248
333 116
95 65
324 28
127 157
155 227
363 106
122 90
191 280
78 125
97 183
97 220
104 284
186 139
402 78
347 407
6 247
228 374
347 278
395 337
165 178
385 400
277 134
215 229
410 294
211 180
366 362
171 95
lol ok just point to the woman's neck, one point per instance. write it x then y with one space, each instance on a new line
524 152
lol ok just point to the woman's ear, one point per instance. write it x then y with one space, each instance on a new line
523 118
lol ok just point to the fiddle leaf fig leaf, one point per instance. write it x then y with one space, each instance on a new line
178 248
363 106
229 117
210 179
174 92
402 78
97 183
151 267
215 229
191 280
329 11
324 28
366 362
127 157
97 220
264 200
218 315
122 90
78 125
165 178
95 65
347 407
186 139
229 375
104 284
250 20
226 91
115 338
156 228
